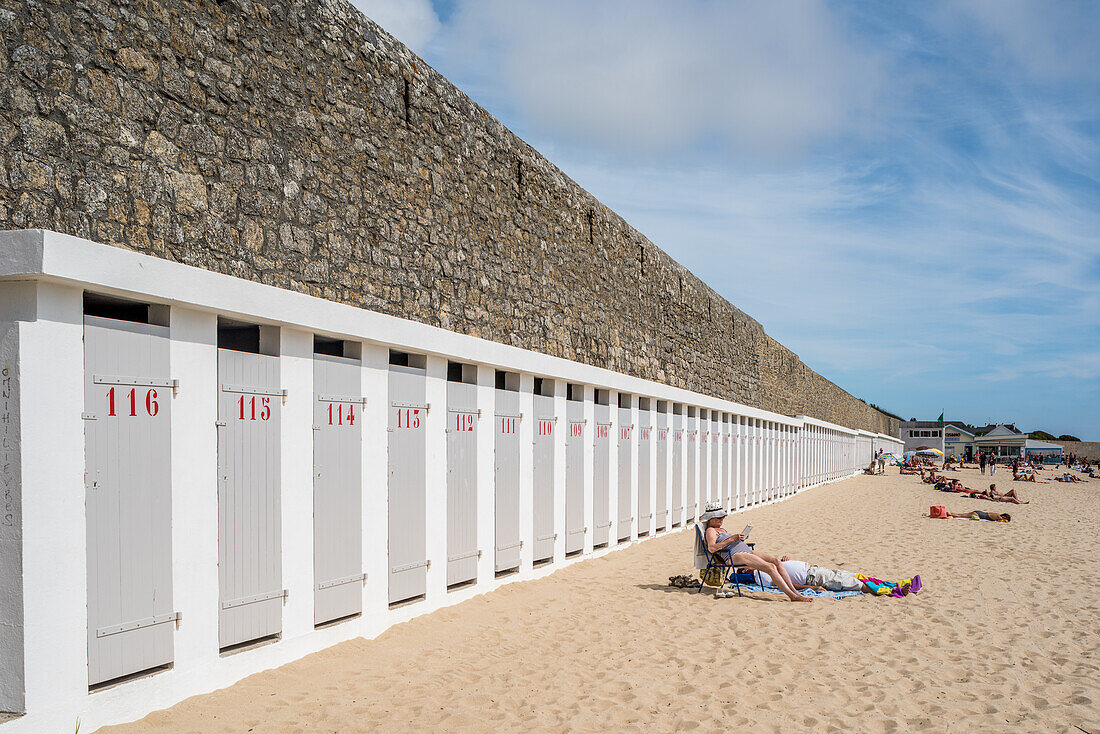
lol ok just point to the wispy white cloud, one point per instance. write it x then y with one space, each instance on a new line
1044 40
1083 366
629 76
413 22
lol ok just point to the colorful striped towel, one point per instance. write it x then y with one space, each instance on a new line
805 592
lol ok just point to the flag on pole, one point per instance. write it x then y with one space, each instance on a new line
939 421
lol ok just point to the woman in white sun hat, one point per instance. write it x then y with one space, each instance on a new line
733 549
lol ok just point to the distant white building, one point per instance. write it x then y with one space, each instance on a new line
954 439
922 434
1004 439
958 441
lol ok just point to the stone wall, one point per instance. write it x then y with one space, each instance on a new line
297 144
1086 449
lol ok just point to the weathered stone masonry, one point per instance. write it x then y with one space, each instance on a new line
297 144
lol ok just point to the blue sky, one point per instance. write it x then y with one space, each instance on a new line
906 195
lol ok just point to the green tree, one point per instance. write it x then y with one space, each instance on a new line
1041 435
1067 437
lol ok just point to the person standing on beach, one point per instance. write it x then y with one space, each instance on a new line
981 461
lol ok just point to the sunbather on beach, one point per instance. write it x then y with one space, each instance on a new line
1009 496
993 495
819 578
950 485
806 576
1067 477
732 548
982 515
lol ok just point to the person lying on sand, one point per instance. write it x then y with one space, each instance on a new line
1067 477
951 485
806 576
732 549
993 495
819 578
982 515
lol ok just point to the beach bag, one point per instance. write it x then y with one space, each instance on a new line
937 511
713 577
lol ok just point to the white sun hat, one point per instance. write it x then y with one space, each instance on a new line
713 510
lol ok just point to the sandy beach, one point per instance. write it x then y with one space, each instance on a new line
1004 637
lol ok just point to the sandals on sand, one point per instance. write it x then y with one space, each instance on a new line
683 582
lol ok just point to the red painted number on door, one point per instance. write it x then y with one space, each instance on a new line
408 418
152 407
340 417
250 414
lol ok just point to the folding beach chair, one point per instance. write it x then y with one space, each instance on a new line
705 560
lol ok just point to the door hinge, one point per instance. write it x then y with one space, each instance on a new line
342 581
410 566
138 624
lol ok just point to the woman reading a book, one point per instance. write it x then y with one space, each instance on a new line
733 549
